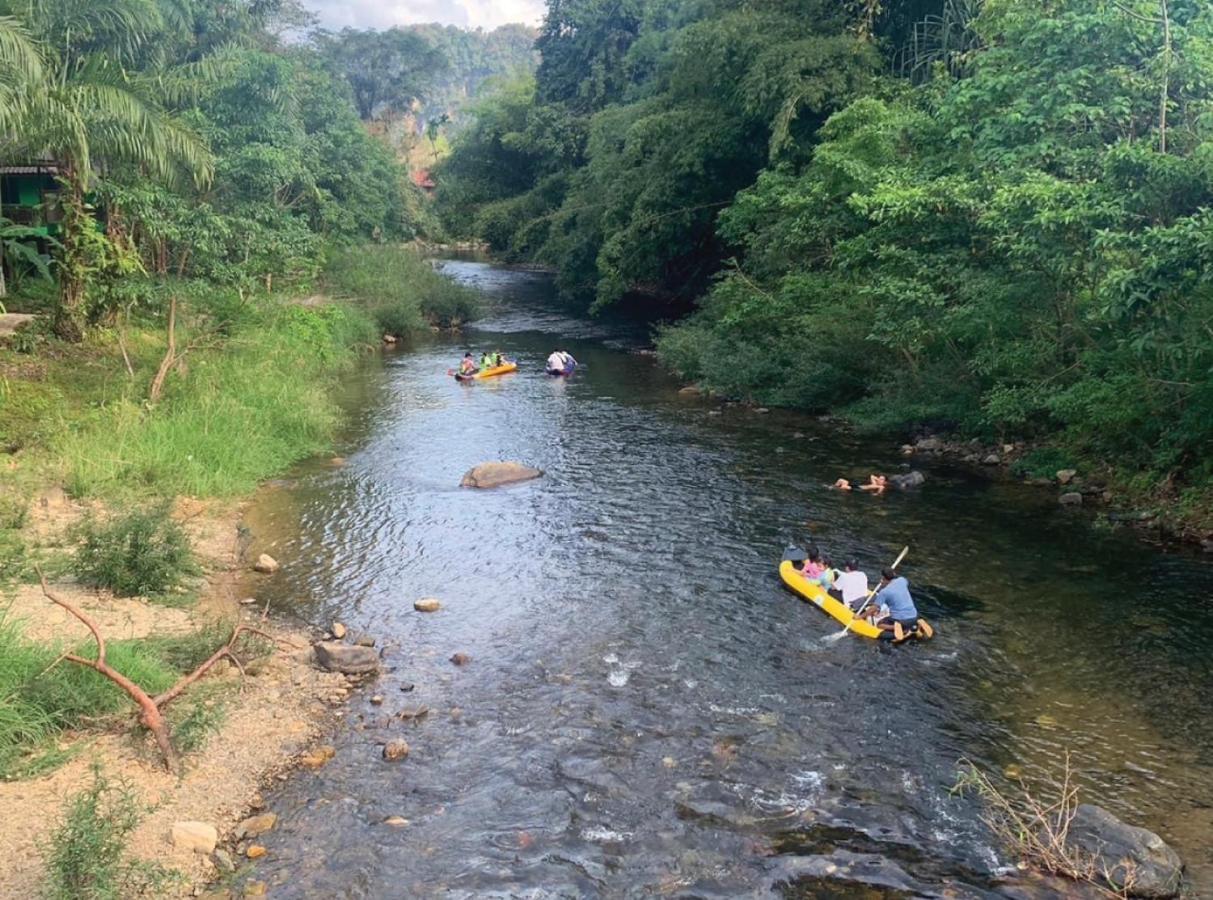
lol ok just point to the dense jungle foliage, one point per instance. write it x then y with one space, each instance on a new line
990 217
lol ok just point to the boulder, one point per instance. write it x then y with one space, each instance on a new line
1072 498
691 390
200 837
266 564
1065 476
460 659
397 750
1131 859
497 474
427 604
349 660
255 826
991 459
906 481
364 640
929 445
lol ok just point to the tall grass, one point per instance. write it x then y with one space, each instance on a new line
399 288
240 415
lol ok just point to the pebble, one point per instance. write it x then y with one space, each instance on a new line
415 712
255 851
255 889
427 604
377 700
201 837
396 821
407 686
223 860
248 601
460 659
364 640
314 759
338 630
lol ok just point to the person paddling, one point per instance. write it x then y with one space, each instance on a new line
895 594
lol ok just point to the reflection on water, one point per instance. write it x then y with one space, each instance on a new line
646 710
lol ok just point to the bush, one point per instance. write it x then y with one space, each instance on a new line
86 857
142 553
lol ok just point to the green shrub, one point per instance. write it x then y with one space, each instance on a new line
140 554
86 857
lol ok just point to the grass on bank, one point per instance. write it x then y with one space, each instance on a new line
43 696
86 856
400 289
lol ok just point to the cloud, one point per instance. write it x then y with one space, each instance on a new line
487 14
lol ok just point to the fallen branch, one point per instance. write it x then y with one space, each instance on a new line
151 714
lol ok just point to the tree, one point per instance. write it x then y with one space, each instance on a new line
89 106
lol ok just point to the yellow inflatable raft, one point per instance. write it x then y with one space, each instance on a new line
816 595
503 369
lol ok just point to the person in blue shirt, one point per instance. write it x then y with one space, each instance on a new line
895 594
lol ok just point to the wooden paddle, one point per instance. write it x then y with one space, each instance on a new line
868 599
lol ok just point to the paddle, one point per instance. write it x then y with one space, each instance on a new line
867 600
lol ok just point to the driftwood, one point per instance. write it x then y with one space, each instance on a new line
151 715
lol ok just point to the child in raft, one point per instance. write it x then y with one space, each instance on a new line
814 568
468 365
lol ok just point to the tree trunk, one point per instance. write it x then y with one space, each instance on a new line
1166 77
69 316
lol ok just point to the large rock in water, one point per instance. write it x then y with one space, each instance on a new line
1131 859
907 481
496 474
346 658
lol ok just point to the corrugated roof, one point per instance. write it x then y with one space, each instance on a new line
29 170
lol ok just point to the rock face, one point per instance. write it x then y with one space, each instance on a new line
254 826
266 564
1133 859
496 474
907 481
347 659
427 604
200 837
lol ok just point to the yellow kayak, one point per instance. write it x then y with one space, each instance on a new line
503 369
817 595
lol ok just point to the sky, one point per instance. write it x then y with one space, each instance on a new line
487 14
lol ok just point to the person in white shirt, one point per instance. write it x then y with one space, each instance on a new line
851 585
555 362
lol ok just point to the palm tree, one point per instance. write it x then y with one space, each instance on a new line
90 108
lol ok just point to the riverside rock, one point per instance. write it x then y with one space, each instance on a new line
1131 859
345 658
200 837
460 659
497 474
394 751
266 564
1073 498
254 826
338 630
1065 476
427 604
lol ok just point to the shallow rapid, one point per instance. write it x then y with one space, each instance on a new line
647 711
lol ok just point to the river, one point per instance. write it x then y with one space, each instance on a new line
646 710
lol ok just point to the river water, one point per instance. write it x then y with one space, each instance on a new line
647 712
